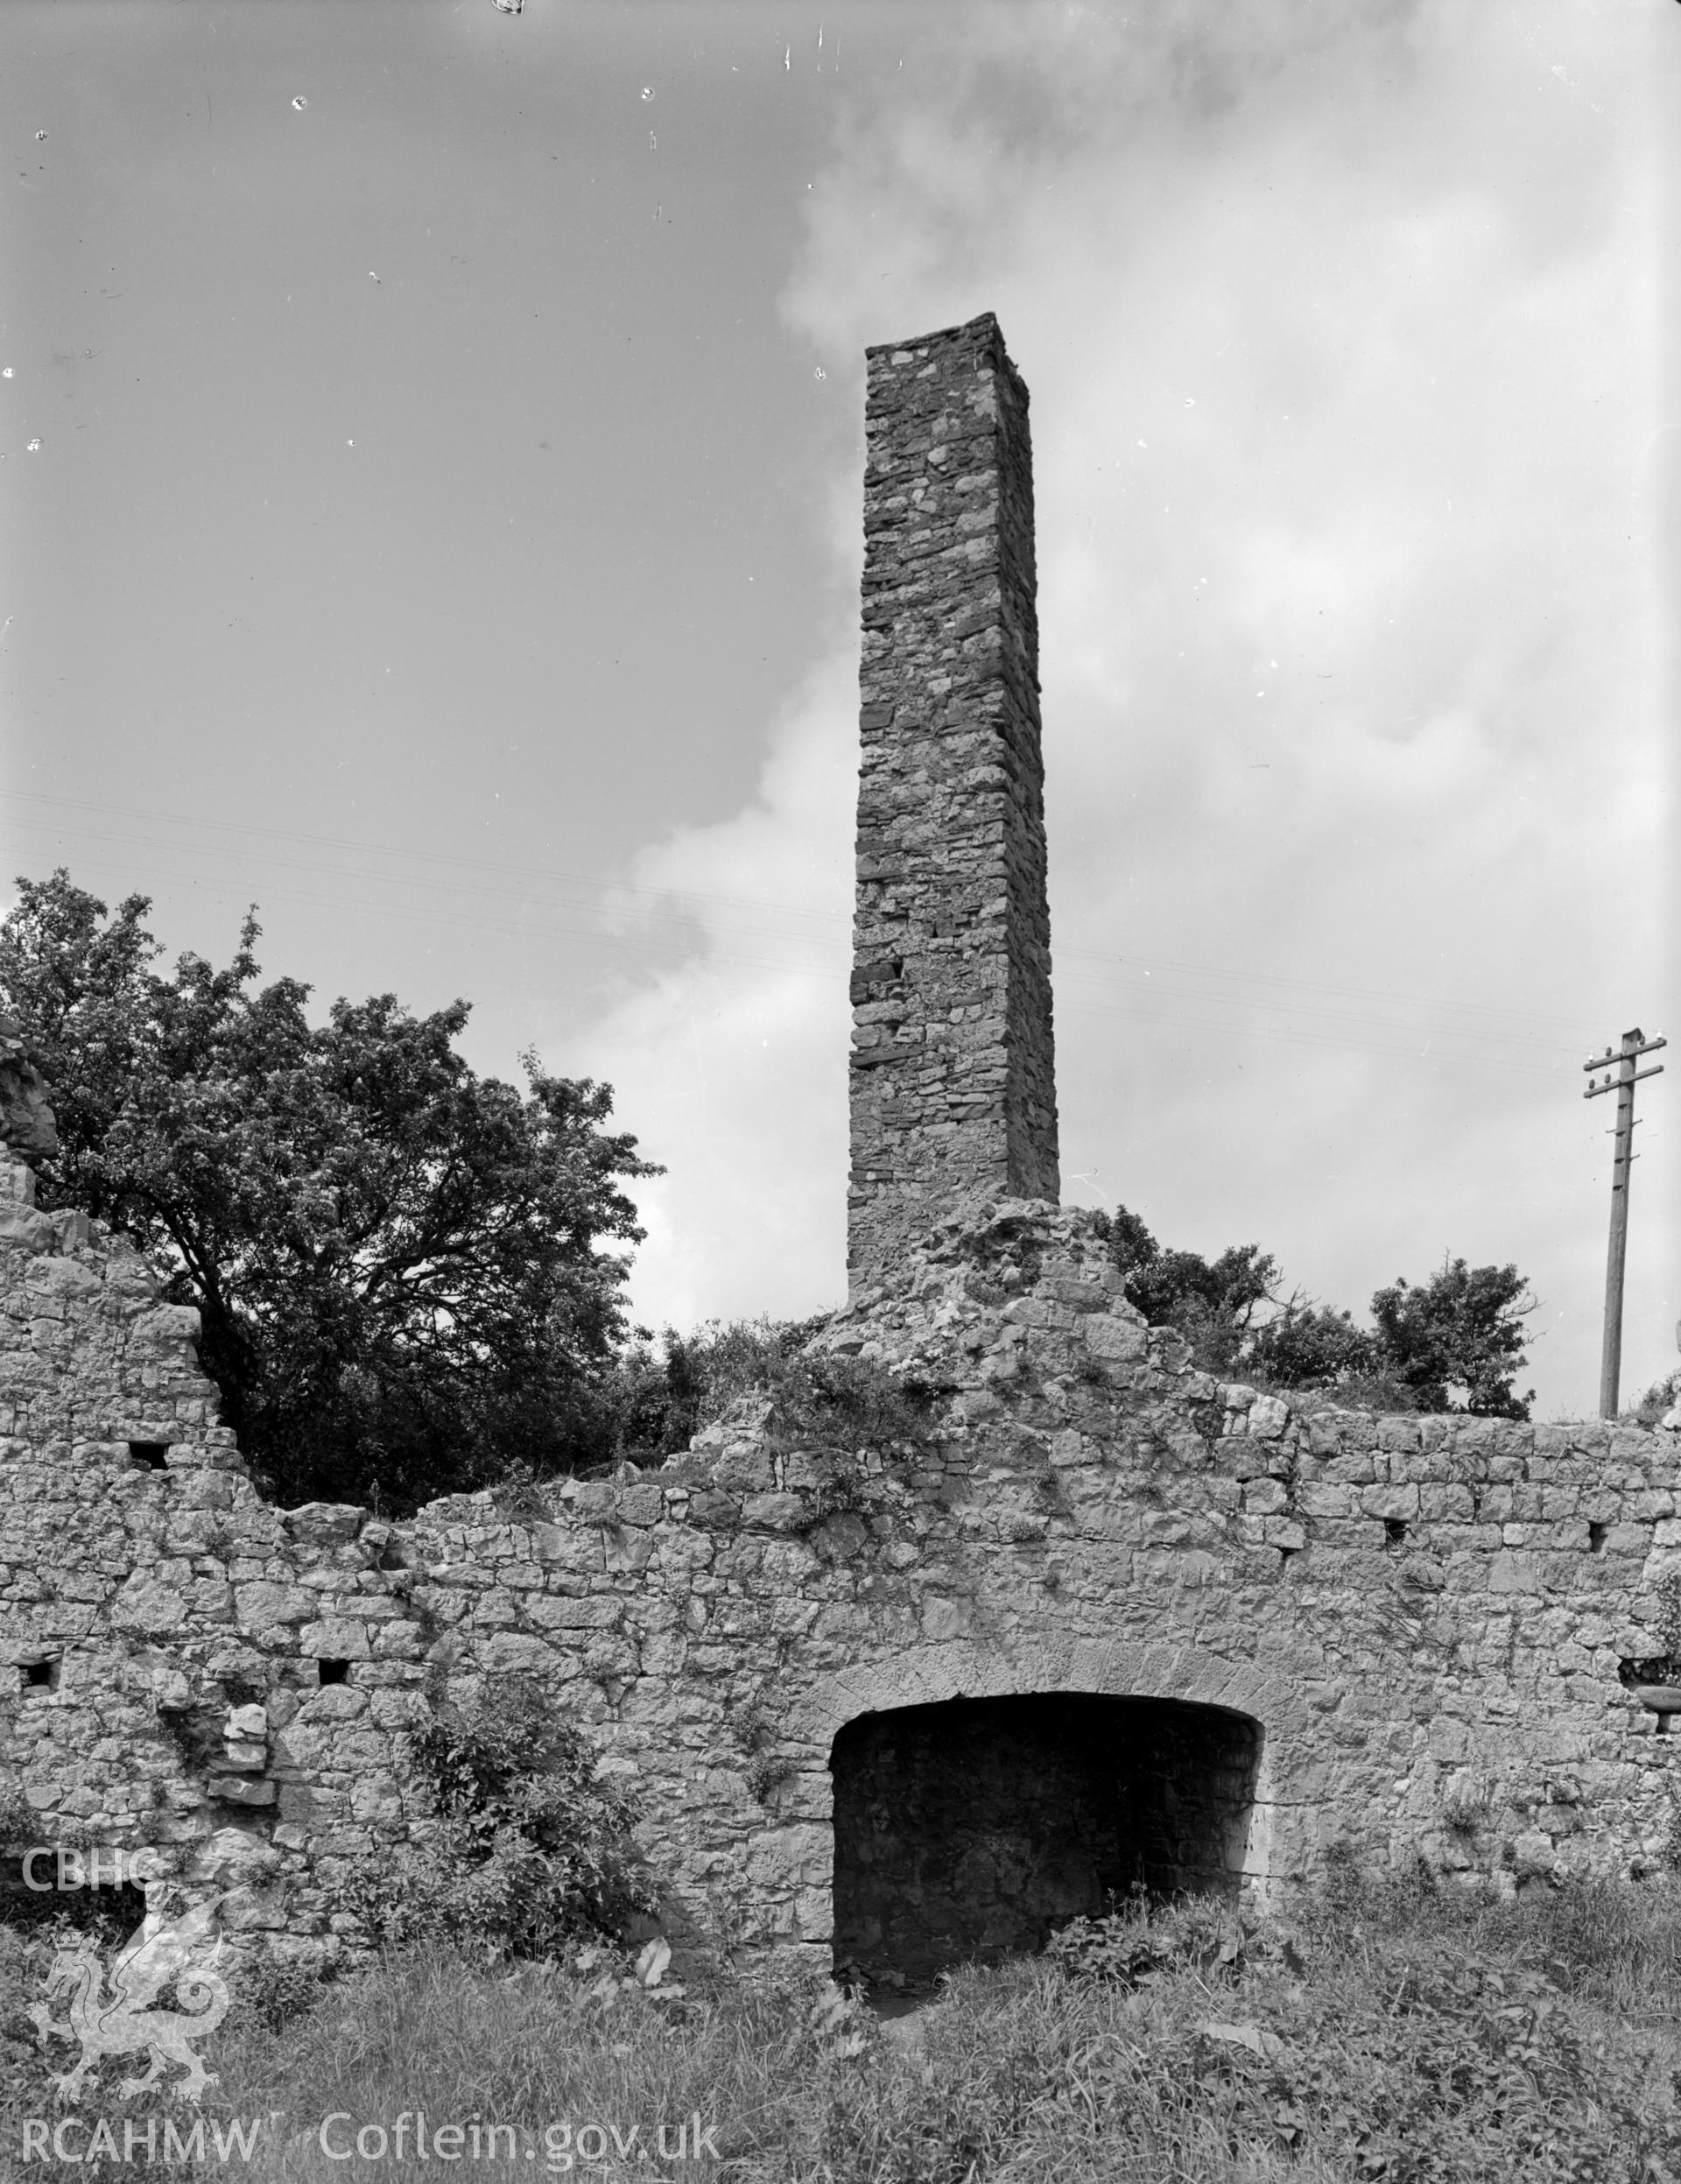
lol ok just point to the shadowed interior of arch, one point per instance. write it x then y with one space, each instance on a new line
972 1829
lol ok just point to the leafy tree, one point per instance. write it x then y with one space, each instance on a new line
398 1263
1308 1345
1465 1327
1212 1302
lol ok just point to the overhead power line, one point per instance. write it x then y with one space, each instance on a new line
1090 982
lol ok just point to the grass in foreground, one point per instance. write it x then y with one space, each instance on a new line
1385 2033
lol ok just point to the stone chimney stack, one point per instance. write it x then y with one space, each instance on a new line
952 1078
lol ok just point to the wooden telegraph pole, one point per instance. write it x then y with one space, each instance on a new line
1623 1083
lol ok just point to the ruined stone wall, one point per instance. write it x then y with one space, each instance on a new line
953 1069
1415 1626
1415 1637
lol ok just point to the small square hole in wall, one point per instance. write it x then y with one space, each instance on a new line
154 1454
333 1671
1395 1532
41 1675
1596 1538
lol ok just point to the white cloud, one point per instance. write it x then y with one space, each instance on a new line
733 1060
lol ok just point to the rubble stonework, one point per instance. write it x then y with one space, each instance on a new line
26 1122
953 1069
1420 1624
1152 1627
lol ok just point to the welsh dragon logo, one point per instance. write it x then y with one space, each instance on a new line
120 2019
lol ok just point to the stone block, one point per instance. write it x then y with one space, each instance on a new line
261 1605
775 1512
784 1860
1082 1294
33 1231
147 1603
715 1510
331 1702
626 1548
323 1525
376 1801
594 1502
1390 1503
1511 1572
1534 1853
595 1611
493 1606
1116 1342
550 1542
1237 1456
944 1618
505 1651
249 1911
335 1640
1324 1498
239 1789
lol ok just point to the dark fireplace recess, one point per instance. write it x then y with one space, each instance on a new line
972 1828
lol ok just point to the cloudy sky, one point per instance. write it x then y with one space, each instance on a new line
444 531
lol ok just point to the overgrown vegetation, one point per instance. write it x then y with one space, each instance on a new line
662 1398
1453 1343
1384 2033
529 1847
403 1271
1661 1398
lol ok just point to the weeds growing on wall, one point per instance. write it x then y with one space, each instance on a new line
665 1399
766 1769
1661 1398
527 1848
854 1402
821 1398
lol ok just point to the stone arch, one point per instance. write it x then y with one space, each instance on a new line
1266 1691
1052 1661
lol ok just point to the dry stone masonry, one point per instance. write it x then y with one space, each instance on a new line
1228 1633
1096 1619
952 1068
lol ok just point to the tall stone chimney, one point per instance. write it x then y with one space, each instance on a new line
953 1077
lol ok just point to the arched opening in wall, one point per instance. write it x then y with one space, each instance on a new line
972 1828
